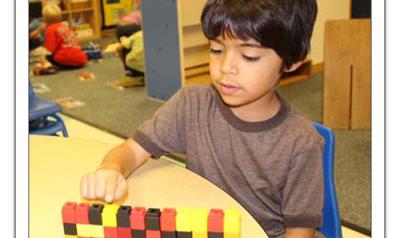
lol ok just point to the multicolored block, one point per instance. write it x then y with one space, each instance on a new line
100 220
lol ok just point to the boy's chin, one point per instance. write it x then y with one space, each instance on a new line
231 101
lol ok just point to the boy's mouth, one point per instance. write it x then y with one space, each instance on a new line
228 89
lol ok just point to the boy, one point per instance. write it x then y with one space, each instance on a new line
239 133
61 41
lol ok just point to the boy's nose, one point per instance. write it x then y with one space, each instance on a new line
228 65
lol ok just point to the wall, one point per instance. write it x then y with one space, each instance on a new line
327 10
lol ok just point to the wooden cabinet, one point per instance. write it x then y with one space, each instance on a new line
347 74
194 45
83 16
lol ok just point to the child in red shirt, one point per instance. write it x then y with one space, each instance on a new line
61 40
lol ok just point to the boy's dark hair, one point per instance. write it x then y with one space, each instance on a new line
283 25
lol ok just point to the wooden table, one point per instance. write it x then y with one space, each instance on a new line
57 164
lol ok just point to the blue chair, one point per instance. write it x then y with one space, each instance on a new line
43 118
331 226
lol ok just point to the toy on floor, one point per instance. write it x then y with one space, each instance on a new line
114 221
93 51
43 68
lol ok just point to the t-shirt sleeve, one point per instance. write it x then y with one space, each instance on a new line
164 133
303 193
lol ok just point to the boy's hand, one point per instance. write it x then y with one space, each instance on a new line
104 184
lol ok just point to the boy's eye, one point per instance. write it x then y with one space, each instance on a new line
250 59
215 51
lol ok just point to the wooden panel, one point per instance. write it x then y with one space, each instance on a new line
193 36
196 56
336 89
202 69
361 90
347 74
198 79
191 11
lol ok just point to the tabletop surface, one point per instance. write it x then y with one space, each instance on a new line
57 164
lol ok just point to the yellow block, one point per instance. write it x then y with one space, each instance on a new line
183 219
109 215
232 223
89 230
199 234
70 236
199 222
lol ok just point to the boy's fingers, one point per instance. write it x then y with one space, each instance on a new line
100 186
84 191
110 188
122 189
91 186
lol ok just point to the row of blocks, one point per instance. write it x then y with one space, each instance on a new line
112 221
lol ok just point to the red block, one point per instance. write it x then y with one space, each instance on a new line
68 212
153 234
167 219
137 218
82 213
216 220
124 232
110 232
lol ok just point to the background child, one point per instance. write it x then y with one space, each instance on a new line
61 40
239 132
37 52
130 49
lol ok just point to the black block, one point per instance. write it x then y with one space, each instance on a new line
152 219
138 233
183 234
168 234
123 216
70 229
215 235
95 214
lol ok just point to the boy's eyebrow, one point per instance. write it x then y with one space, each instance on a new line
246 44
251 45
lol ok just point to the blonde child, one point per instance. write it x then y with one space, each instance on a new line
61 40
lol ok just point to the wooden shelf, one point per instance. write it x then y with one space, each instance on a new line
90 11
88 38
87 9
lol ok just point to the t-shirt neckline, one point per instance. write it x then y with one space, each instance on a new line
247 126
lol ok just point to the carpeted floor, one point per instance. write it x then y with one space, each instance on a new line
121 111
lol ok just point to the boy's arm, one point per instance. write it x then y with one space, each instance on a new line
108 182
125 158
300 232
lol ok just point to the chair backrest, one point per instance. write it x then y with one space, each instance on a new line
31 93
331 226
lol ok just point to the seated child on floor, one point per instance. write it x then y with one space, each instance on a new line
131 51
61 40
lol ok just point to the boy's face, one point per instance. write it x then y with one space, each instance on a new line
243 72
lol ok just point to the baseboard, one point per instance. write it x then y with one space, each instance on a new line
317 68
355 227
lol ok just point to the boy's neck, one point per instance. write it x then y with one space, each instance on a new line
261 110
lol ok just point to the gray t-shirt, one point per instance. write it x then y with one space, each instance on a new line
273 168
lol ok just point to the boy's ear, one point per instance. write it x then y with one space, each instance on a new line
293 67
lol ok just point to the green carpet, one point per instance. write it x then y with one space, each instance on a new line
121 111
116 111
